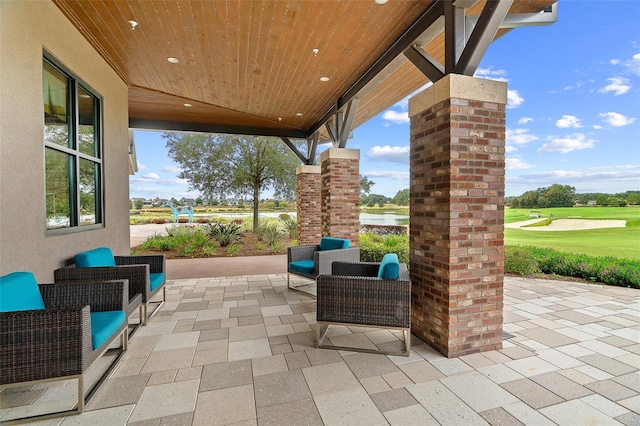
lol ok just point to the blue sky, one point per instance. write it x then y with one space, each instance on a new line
573 115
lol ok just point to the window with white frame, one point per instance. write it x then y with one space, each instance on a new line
72 151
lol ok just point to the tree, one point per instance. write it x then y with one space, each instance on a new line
402 197
222 165
365 185
139 204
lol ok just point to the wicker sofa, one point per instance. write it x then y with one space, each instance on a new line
145 273
354 295
55 332
312 260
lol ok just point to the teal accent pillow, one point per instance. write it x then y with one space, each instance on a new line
330 243
19 292
101 256
156 280
104 324
302 266
389 267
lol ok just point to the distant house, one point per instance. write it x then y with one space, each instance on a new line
591 203
188 200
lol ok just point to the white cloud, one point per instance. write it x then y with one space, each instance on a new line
390 174
514 100
617 85
525 120
574 142
519 137
603 176
634 64
151 176
615 119
597 126
491 74
172 169
396 117
517 164
578 85
614 61
394 154
569 121
141 166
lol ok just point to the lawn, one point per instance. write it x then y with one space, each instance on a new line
615 242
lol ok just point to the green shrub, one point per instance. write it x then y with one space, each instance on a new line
519 261
276 247
273 234
290 225
373 247
225 234
607 270
209 249
233 249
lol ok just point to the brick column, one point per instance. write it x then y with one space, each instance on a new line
341 193
308 205
457 214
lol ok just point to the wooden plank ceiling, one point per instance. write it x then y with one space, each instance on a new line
248 66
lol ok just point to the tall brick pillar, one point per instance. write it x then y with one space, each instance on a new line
457 169
308 205
341 193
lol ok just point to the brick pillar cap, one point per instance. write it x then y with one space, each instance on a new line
307 169
344 153
460 87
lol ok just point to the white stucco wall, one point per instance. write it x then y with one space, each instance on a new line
26 29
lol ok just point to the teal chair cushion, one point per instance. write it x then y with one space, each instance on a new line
156 280
389 267
329 243
302 266
101 256
104 324
19 292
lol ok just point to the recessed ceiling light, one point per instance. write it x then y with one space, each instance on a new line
279 118
188 105
173 60
132 24
381 1
299 114
324 78
315 52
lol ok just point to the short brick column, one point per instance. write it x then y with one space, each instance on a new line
341 193
457 170
308 205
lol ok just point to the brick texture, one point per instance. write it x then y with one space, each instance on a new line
341 196
308 206
457 225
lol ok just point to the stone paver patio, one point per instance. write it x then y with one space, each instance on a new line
240 350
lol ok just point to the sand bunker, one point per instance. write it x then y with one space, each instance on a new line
568 224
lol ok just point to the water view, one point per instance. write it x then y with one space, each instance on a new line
365 218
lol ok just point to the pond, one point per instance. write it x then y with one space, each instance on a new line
365 218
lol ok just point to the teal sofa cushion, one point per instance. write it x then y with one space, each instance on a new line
104 324
329 243
156 280
101 256
389 267
302 266
19 292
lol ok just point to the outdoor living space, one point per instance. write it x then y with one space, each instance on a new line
240 350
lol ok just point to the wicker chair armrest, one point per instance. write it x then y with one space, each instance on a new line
100 296
364 300
156 262
323 259
44 343
358 269
297 253
138 276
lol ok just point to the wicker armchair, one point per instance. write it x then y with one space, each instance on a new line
54 339
353 295
139 270
312 260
